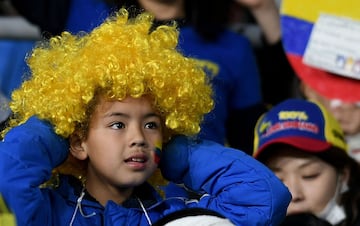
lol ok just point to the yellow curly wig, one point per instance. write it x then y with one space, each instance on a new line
121 57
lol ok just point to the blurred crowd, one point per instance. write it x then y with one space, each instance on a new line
263 62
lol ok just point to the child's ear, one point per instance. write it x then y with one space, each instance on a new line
76 147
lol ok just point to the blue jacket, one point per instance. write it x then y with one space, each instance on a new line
233 183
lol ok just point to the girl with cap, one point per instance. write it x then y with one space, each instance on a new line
305 147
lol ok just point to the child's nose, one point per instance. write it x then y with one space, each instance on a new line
295 190
137 137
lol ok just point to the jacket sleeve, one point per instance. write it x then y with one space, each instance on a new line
235 184
28 154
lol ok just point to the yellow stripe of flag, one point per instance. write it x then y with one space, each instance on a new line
310 9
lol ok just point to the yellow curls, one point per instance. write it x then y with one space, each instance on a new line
122 58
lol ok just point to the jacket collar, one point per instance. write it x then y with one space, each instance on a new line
145 192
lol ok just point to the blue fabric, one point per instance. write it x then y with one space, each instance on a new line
295 34
237 84
13 68
236 185
84 15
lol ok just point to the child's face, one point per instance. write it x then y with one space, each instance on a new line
311 181
120 146
347 114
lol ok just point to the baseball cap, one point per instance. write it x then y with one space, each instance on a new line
320 39
303 124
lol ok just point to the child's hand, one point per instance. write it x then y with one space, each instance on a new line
267 15
41 133
174 160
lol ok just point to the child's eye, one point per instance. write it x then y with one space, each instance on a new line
310 176
151 125
117 125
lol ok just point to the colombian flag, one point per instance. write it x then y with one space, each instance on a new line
297 23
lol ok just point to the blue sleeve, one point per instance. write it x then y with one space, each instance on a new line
28 154
247 77
235 184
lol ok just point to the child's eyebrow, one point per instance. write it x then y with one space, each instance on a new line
121 114
301 166
115 114
152 115
149 115
308 163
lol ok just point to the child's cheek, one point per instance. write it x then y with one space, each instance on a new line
157 152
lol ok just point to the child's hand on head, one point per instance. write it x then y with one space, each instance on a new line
174 162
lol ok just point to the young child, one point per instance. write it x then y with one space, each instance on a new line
95 114
305 147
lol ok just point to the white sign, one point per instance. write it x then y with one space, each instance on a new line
334 46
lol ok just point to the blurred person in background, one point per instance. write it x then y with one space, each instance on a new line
259 20
303 144
323 48
228 58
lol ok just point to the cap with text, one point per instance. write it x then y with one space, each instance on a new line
299 123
